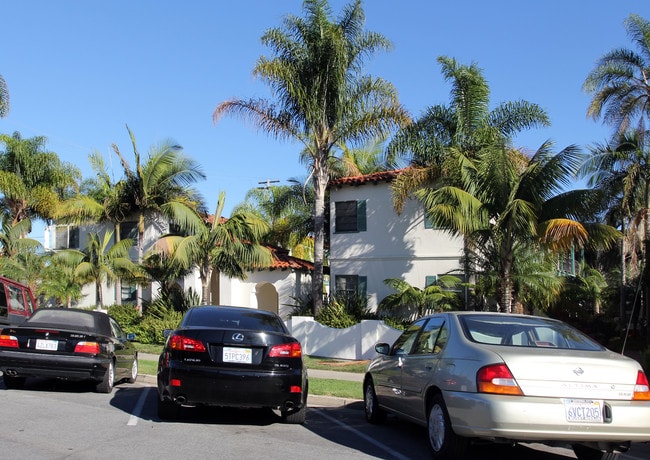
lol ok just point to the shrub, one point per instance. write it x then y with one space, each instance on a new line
127 316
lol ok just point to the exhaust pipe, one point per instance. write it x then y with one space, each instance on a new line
180 399
289 405
11 372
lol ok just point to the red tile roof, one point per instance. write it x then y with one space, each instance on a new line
382 176
283 261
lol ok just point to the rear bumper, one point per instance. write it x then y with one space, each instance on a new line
539 419
46 365
230 388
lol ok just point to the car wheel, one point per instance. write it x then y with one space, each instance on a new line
443 442
13 383
106 385
296 416
589 453
168 410
134 371
371 405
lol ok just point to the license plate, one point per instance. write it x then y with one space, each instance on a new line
51 345
237 355
583 410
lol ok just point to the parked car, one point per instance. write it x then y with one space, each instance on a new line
16 302
68 344
508 378
232 357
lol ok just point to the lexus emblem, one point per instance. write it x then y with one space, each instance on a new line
578 371
238 337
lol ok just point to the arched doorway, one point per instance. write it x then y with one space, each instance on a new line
267 297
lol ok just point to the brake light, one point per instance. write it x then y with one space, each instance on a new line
179 342
8 341
641 389
497 378
286 350
87 347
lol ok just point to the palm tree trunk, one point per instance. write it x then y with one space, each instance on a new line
320 185
622 319
138 299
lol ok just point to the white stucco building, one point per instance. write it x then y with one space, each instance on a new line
370 242
273 288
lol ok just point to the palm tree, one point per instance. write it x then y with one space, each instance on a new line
4 98
619 83
437 296
60 283
100 200
466 125
230 246
288 211
100 261
323 100
621 170
161 186
32 181
506 201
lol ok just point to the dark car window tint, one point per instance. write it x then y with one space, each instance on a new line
404 342
520 331
231 319
427 339
63 318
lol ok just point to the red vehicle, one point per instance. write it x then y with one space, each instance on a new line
16 302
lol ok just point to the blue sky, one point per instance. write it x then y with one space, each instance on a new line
79 71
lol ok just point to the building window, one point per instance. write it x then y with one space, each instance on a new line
429 221
129 294
67 237
129 230
350 216
350 285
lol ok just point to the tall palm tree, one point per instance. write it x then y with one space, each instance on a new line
32 181
100 261
322 98
467 124
162 185
619 82
4 98
230 246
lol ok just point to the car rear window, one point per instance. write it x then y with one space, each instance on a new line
518 331
60 318
234 319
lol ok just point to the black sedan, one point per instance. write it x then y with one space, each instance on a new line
68 344
232 357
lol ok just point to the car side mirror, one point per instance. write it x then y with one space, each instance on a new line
382 348
166 332
130 337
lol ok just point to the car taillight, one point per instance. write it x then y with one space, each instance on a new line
8 341
497 378
179 342
87 347
641 389
286 350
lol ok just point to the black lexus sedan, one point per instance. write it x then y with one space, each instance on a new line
232 357
68 344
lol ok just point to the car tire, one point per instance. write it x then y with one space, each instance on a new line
589 453
295 416
134 371
373 412
106 384
168 410
13 383
443 442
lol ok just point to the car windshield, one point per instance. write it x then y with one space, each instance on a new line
229 319
519 331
